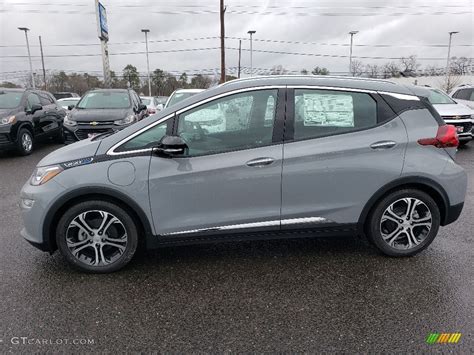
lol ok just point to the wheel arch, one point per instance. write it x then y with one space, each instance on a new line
26 125
93 193
424 184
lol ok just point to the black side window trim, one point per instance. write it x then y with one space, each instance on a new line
384 114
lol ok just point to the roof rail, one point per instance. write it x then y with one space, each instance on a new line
301 76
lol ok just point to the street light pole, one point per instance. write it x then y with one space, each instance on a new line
251 33
29 54
449 50
145 31
352 33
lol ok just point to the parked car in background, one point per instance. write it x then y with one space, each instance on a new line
103 110
452 112
64 95
464 94
181 94
67 102
161 101
151 103
358 156
28 116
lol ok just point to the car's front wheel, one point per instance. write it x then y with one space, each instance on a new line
97 236
404 222
25 142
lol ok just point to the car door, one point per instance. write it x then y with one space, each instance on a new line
340 148
36 117
50 121
230 177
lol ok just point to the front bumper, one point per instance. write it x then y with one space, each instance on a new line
34 214
7 139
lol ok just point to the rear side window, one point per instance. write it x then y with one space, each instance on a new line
465 94
320 113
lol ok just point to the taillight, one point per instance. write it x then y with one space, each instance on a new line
446 137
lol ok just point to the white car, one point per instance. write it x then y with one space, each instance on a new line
464 94
452 112
180 95
68 101
152 104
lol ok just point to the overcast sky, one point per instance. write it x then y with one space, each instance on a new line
408 27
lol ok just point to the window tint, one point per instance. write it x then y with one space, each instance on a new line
147 139
240 121
33 99
319 113
465 94
45 99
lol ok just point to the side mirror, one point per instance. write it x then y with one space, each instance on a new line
34 108
141 107
170 146
70 107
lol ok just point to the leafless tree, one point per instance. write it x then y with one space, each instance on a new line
357 68
449 82
390 70
461 65
372 70
409 64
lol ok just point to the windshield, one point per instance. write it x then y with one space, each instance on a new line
162 99
10 99
437 97
179 96
146 101
68 102
104 100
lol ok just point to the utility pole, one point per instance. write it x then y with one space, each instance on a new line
103 32
352 33
42 63
251 33
29 55
145 31
240 56
222 13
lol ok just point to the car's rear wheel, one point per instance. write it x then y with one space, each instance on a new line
25 142
404 223
97 236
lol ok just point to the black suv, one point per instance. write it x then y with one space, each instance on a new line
26 116
103 110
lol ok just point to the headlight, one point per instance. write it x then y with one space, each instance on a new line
8 120
68 121
44 174
129 119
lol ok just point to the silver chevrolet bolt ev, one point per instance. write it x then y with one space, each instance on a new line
253 159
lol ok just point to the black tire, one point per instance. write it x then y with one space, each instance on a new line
463 143
21 146
124 218
374 223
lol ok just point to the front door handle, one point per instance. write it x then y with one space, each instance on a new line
383 145
259 162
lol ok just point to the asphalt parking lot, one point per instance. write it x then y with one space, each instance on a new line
308 295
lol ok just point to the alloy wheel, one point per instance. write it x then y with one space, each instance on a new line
406 223
96 238
26 142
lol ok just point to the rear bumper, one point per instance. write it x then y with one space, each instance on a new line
452 214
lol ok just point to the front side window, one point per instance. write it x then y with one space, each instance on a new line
33 99
148 139
239 121
465 94
104 100
320 113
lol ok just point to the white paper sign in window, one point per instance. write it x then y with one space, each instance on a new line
328 110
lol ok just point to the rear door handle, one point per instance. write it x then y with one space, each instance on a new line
259 162
383 145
